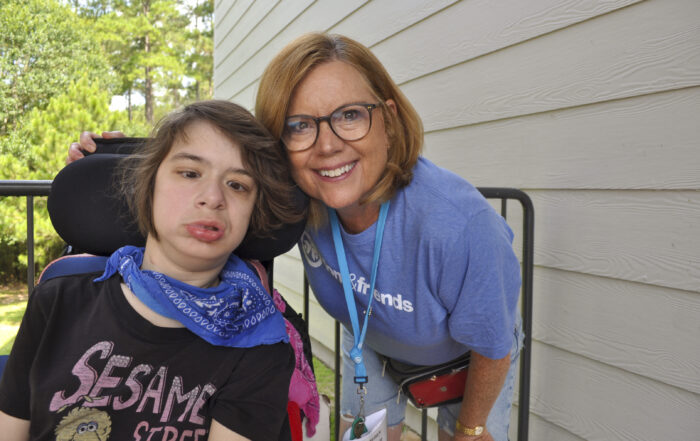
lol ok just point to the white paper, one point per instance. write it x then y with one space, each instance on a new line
376 428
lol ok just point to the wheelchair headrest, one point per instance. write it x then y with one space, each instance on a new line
89 214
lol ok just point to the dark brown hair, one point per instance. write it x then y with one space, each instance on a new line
262 156
404 128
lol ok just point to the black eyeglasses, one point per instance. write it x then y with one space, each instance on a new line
350 122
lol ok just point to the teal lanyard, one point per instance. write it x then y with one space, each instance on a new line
356 351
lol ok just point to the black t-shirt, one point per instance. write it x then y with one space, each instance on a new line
84 360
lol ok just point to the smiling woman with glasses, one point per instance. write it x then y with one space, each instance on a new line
447 280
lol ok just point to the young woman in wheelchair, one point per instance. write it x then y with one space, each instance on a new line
177 340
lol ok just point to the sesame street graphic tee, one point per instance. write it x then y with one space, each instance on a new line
448 280
86 365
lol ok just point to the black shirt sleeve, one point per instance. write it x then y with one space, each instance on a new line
254 402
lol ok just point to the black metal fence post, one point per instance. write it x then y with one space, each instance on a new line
526 300
306 300
30 243
28 189
336 397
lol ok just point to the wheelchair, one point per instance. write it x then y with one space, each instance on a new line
89 214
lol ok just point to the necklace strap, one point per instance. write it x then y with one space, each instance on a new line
359 335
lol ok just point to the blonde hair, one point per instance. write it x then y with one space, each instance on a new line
404 127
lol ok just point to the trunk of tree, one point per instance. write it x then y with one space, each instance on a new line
128 103
148 94
196 28
176 97
148 86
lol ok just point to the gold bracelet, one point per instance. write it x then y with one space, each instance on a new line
472 431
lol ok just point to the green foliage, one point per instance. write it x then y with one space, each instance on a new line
43 47
10 317
36 150
60 62
199 55
147 46
11 268
83 106
91 9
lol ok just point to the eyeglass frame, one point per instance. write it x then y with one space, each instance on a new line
327 118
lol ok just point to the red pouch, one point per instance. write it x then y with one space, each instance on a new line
437 390
431 386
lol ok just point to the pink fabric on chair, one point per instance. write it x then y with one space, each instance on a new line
302 388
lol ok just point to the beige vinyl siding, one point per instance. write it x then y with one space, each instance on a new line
644 142
593 109
606 320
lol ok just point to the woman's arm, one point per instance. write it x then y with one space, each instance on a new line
218 432
484 382
483 307
15 429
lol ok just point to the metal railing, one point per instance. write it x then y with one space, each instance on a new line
528 230
28 189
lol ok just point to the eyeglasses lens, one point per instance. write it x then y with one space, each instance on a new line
349 123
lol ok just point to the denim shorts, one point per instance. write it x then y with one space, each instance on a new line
382 391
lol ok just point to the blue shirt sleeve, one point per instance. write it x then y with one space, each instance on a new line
480 285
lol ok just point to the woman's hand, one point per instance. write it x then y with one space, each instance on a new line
86 143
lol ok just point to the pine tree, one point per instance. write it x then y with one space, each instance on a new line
43 47
144 41
36 150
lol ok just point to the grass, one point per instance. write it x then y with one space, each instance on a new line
325 377
13 301
325 382
10 318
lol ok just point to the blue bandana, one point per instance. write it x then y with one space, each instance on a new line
237 313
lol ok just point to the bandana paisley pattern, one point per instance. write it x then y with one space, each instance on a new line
236 313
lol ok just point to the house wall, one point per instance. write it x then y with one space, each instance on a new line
593 109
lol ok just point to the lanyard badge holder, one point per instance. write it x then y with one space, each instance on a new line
358 425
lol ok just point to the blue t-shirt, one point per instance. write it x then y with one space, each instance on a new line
448 280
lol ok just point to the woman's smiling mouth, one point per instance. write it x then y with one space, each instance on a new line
334 173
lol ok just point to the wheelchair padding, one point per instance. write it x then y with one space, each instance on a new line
85 209
3 361
89 214
73 264
118 146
